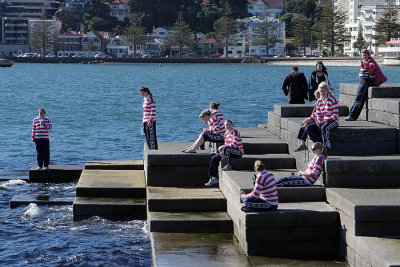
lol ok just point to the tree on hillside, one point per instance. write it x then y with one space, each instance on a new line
295 8
264 34
225 29
302 32
330 30
360 44
181 34
135 33
43 36
387 26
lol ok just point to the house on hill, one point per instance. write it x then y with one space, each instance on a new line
118 9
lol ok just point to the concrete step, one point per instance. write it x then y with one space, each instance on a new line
350 138
189 222
115 165
23 199
301 110
185 199
386 90
112 208
385 110
300 230
233 181
56 174
261 141
112 183
367 212
363 171
271 161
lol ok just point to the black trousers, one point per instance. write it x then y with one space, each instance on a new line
151 136
227 153
42 152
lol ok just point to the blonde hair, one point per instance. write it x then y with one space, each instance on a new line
204 113
259 165
324 151
324 85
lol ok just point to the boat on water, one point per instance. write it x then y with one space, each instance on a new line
5 62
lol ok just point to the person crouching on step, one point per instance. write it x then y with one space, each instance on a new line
264 196
313 171
233 148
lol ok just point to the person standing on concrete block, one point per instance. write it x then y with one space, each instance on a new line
318 76
40 136
264 196
233 148
313 171
325 118
370 75
298 87
149 118
215 132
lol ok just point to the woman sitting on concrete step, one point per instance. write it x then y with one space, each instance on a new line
264 196
324 120
216 129
313 171
233 148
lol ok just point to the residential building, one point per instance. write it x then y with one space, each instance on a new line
53 25
119 49
391 51
69 44
239 47
94 43
262 8
161 32
118 9
206 47
75 5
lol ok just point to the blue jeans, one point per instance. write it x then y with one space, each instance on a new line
361 97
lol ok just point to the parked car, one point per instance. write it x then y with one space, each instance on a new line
50 55
78 55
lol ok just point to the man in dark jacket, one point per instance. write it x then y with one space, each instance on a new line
298 87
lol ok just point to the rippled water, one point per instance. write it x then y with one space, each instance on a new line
96 114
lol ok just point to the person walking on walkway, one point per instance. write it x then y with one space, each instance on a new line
370 74
233 148
264 196
313 171
149 118
295 86
318 76
40 135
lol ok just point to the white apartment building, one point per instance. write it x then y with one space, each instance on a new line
262 8
118 9
239 46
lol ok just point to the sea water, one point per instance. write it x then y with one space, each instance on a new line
96 112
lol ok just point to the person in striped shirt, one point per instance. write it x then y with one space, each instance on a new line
215 132
149 118
264 196
233 148
324 120
313 171
40 136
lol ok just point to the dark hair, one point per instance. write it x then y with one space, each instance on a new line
324 69
146 89
324 151
295 68
214 105
42 109
205 112
229 121
259 165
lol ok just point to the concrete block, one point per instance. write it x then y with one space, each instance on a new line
56 174
300 110
274 119
379 251
111 183
20 200
363 148
363 164
263 145
363 180
189 222
271 161
386 118
274 129
390 105
348 88
177 175
384 91
115 165
185 199
134 208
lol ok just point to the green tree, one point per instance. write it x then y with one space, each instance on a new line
330 30
91 47
263 34
43 36
387 26
225 29
360 44
302 32
135 33
181 34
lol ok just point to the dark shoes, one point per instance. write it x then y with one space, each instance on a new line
301 148
349 119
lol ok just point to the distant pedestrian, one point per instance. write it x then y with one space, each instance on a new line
318 76
313 171
295 86
149 118
264 196
370 75
40 135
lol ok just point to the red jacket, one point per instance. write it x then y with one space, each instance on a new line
373 67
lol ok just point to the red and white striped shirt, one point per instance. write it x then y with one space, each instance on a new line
326 110
265 188
40 128
149 109
216 123
233 139
314 168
